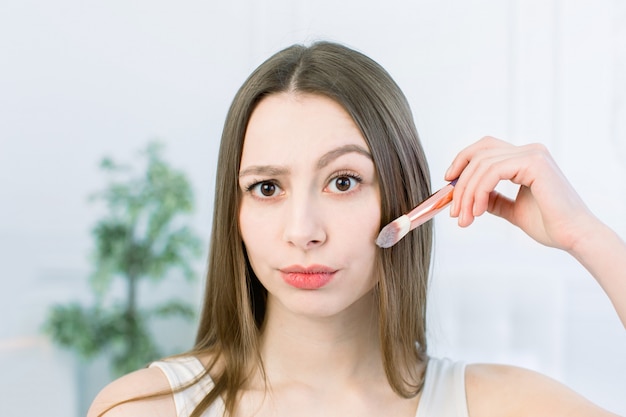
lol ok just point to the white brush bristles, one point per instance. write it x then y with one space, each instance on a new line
393 232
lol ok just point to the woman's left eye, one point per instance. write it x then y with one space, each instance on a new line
343 183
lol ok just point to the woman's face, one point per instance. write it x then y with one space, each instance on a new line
310 207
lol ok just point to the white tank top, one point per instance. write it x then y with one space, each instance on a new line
443 394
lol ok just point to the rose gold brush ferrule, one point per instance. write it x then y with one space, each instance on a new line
431 206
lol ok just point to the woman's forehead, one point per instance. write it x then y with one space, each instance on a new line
287 125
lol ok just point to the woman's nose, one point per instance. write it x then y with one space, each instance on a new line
304 222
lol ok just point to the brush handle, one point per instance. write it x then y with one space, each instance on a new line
431 206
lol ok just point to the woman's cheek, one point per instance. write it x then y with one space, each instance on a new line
365 218
257 227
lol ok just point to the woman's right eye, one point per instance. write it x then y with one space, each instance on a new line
264 189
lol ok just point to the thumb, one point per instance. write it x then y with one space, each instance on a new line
501 206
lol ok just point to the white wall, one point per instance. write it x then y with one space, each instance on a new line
79 80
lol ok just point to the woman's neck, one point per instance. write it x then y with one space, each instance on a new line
312 350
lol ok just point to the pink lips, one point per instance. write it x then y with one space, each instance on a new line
307 278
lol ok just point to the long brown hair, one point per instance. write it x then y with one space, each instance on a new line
234 300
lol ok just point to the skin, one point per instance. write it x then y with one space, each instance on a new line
320 347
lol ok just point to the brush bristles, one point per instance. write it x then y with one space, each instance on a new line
393 232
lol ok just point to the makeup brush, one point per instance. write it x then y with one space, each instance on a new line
426 210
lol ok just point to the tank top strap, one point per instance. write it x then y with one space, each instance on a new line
443 394
181 371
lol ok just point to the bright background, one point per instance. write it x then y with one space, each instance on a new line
80 80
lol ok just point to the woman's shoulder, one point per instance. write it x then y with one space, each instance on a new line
510 391
145 392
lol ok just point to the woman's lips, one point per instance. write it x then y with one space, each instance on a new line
307 278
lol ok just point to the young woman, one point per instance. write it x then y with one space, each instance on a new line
303 314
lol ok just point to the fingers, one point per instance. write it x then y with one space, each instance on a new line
464 157
480 167
474 181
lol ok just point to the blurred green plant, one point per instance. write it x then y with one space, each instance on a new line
142 237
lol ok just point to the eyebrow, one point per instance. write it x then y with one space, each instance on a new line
264 170
327 158
330 156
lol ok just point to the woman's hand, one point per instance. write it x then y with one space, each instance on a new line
546 207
